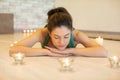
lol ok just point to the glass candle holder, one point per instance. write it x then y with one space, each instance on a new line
18 57
114 62
31 30
99 40
66 64
24 31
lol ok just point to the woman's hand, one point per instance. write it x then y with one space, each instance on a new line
53 54
63 52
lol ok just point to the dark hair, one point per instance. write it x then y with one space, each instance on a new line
59 17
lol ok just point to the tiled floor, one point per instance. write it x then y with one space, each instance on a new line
6 39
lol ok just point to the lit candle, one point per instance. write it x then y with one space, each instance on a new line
28 31
66 64
114 61
15 42
99 40
18 58
34 30
11 45
31 30
24 31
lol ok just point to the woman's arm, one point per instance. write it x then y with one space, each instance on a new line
90 52
27 50
34 51
91 47
25 46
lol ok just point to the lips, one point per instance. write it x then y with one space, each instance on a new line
61 46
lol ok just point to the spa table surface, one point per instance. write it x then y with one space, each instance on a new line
47 68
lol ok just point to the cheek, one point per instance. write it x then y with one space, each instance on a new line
54 41
67 41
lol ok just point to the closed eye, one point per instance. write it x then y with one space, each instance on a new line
56 37
66 37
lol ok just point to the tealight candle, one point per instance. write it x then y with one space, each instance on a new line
24 31
34 30
99 40
28 31
66 64
15 42
114 61
18 57
11 45
31 30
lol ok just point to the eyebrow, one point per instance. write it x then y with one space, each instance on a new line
64 35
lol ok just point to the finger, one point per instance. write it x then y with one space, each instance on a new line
52 49
55 50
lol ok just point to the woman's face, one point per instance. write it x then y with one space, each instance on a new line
60 37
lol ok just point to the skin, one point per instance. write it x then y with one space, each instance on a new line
60 37
57 46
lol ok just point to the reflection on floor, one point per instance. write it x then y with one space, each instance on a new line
7 39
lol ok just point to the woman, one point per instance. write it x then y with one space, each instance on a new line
58 38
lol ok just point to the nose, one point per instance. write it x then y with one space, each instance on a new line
61 42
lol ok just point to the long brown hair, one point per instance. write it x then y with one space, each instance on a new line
59 17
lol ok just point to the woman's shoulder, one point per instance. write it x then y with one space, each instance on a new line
77 32
79 36
42 31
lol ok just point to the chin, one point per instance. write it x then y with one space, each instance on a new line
61 48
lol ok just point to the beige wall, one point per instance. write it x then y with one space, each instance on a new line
28 14
94 15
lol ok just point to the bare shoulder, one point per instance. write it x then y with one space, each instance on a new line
41 33
77 32
78 35
44 31
82 38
